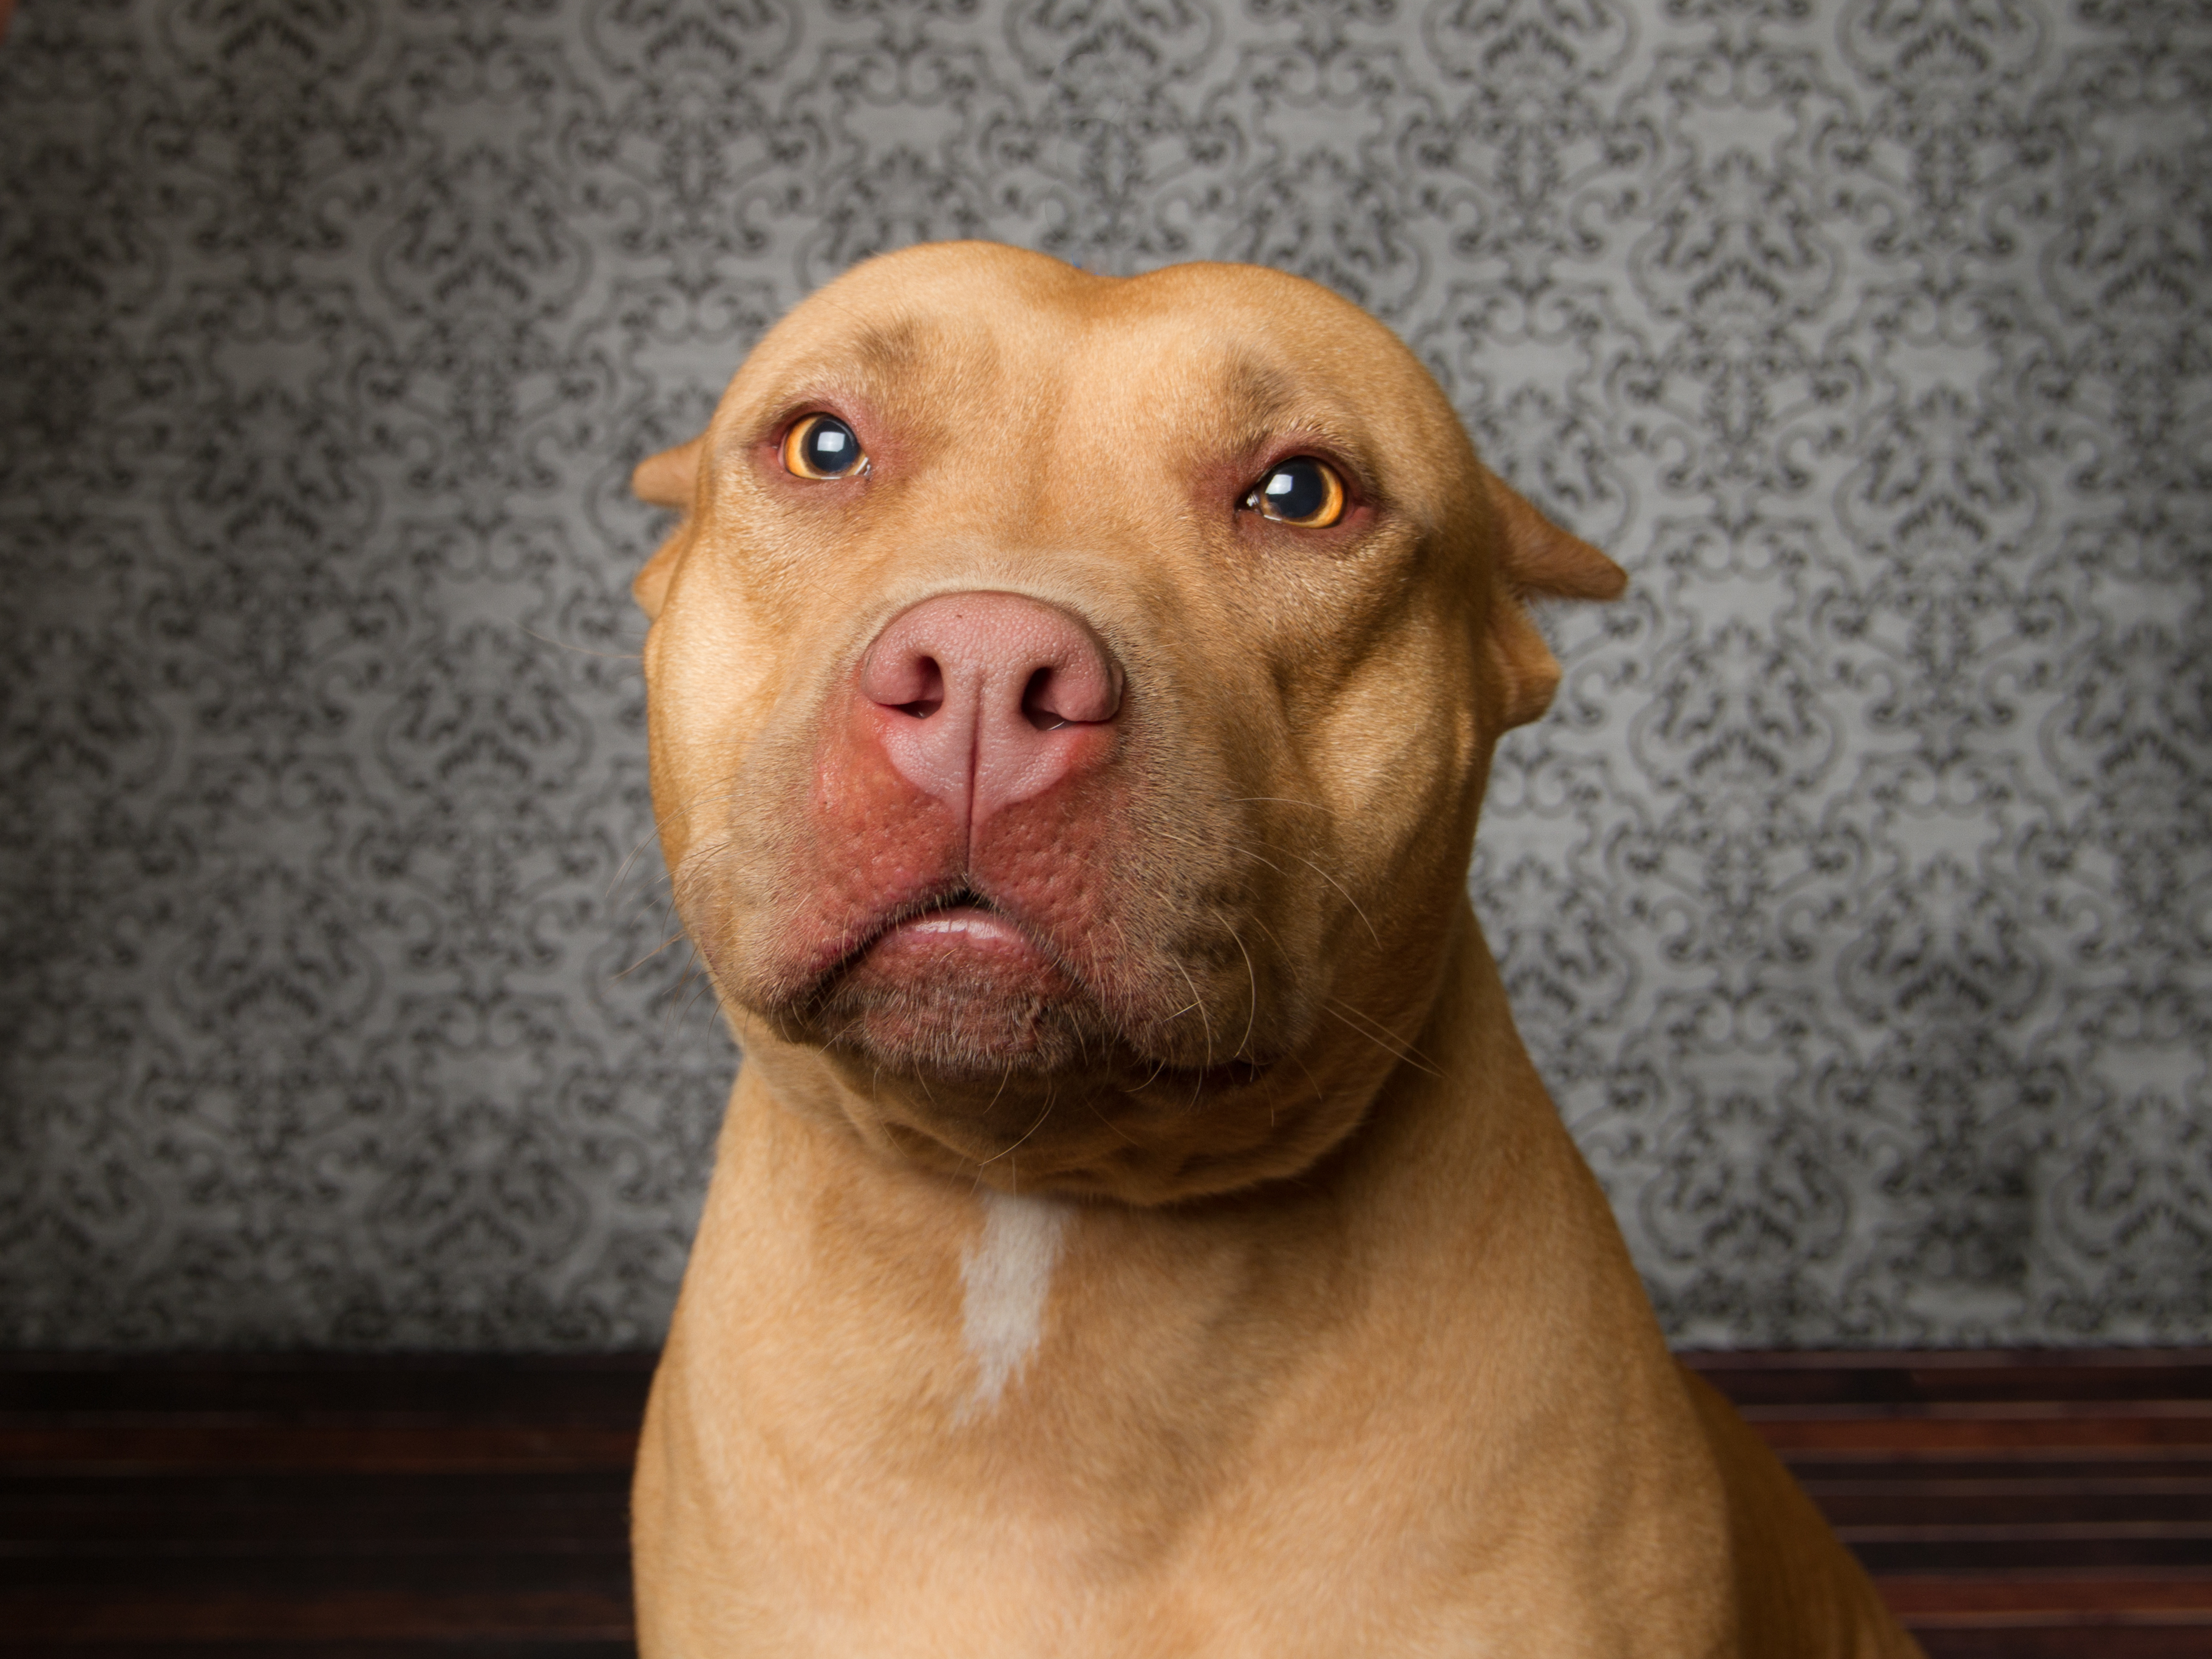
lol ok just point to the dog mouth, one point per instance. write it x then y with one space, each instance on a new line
958 904
950 984
958 917
954 984
934 942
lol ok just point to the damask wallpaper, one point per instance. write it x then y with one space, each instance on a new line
1857 896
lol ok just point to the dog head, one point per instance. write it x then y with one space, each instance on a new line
1069 700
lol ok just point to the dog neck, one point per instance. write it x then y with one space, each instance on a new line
944 1306
1026 1391
1006 1283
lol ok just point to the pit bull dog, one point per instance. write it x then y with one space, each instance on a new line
1138 1230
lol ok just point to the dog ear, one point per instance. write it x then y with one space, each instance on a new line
1538 560
668 479
1541 559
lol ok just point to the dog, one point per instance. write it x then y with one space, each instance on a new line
1138 1230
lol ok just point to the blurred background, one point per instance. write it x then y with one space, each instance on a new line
1856 897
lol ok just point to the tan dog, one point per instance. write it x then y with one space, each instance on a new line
1138 1230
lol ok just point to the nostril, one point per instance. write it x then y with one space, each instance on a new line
929 685
1084 692
1036 703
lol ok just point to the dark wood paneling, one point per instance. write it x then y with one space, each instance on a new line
2104 1641
186 1446
340 1506
2032 1376
595 1389
149 1514
249 1612
2027 1504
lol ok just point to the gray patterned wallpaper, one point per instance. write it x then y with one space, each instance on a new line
1856 898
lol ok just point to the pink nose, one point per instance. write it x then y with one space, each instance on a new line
982 700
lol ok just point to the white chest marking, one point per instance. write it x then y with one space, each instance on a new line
1004 1278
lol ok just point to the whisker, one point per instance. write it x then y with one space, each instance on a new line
1319 1097
643 841
673 1005
1404 1052
975 1184
705 992
1348 899
1253 853
628 858
1009 1152
649 955
1110 1122
1205 1020
1253 974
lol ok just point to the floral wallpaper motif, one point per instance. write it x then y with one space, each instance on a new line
1856 897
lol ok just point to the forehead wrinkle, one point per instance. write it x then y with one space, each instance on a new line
1239 404
1250 383
893 350
1255 396
897 365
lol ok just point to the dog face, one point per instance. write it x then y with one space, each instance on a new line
1070 699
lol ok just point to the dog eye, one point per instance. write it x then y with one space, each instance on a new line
1300 491
820 446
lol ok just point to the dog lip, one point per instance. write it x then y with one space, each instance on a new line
978 921
956 910
960 913
949 912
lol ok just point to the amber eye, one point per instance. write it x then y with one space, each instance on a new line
1300 491
820 446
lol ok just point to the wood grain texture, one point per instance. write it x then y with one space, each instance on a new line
2025 1503
2044 1505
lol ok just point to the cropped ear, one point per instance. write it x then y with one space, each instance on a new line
668 479
1538 557
1538 560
